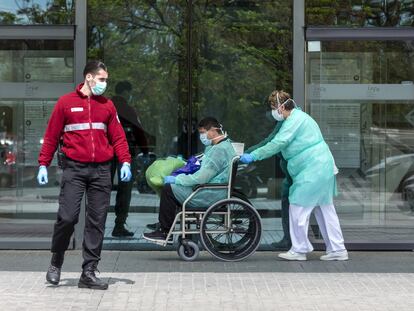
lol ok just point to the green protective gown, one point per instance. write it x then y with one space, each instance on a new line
310 162
215 168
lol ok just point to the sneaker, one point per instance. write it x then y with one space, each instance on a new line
291 255
339 255
157 235
153 227
121 232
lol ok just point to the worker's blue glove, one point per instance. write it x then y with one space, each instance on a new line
169 180
126 172
247 158
42 175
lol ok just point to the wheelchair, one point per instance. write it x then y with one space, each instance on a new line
230 229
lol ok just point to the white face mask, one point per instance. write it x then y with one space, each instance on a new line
277 116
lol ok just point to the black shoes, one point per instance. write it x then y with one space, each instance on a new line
157 235
88 279
121 232
53 273
154 227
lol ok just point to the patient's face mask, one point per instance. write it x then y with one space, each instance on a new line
204 139
207 141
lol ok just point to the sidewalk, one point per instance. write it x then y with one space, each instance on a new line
161 281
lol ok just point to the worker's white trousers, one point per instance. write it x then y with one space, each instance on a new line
328 225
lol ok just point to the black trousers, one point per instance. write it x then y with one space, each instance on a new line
285 219
95 179
168 207
123 193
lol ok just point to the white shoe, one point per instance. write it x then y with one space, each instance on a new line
291 255
339 255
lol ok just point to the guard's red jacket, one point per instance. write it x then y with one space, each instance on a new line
90 129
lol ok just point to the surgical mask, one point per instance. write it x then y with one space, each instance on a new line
99 88
277 115
204 139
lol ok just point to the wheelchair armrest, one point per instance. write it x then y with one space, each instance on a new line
210 186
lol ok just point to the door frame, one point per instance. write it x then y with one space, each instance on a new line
357 34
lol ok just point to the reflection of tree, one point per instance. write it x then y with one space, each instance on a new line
27 12
371 13
238 53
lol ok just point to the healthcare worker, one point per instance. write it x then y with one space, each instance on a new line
312 168
215 168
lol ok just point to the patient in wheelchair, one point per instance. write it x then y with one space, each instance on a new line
214 168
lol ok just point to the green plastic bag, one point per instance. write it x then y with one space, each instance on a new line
159 169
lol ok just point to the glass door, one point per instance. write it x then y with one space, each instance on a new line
242 52
362 95
186 60
33 74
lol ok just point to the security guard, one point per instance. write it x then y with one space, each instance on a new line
90 129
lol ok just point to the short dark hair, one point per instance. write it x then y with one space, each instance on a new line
122 86
93 67
209 122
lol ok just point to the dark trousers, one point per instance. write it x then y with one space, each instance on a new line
286 184
123 193
168 207
95 179
285 219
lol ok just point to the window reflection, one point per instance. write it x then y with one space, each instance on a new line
37 12
362 13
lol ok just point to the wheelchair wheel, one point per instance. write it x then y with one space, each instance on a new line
231 230
188 250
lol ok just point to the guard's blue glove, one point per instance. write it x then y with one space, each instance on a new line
126 172
247 158
169 180
42 175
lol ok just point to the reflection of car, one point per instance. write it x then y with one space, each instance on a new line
407 191
398 172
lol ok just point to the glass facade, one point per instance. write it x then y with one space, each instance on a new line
361 94
37 12
360 13
184 60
